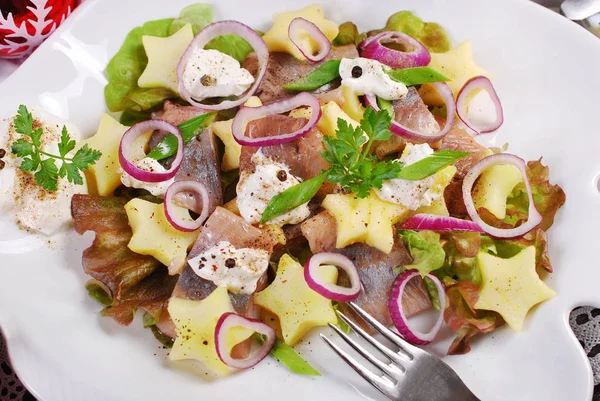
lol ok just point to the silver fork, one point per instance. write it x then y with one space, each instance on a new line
409 374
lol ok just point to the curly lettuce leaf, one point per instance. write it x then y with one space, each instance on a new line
124 69
198 15
124 281
462 317
426 250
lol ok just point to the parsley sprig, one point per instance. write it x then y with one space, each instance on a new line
44 164
352 165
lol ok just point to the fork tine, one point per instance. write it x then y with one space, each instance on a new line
397 358
381 383
390 370
407 348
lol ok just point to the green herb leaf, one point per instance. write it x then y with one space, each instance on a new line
22 148
416 75
47 176
66 144
324 74
23 121
72 173
430 165
290 359
376 125
189 130
31 163
36 137
85 157
292 197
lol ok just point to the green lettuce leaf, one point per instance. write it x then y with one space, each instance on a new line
347 34
430 34
232 45
124 69
426 250
198 15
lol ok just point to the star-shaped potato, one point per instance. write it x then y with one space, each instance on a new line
278 40
163 57
153 234
195 323
233 150
297 306
440 182
458 66
367 220
511 286
104 175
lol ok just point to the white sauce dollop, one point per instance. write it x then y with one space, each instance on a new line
372 81
255 191
210 73
236 269
150 165
35 208
412 194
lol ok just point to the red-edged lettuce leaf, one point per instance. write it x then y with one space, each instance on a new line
538 238
548 199
133 280
462 317
151 295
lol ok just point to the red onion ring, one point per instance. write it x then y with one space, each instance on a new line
424 221
328 290
229 320
300 24
534 219
413 136
206 35
483 83
373 48
247 114
199 190
397 310
127 142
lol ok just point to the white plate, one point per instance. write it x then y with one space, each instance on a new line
546 72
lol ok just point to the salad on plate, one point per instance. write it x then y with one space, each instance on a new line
245 186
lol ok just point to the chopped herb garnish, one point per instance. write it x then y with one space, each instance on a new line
189 130
42 163
324 74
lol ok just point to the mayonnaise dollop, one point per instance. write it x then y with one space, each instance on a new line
255 191
412 194
33 207
152 166
367 77
210 73
236 269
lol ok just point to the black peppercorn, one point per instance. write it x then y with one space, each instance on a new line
230 263
356 72
2 153
281 175
2 164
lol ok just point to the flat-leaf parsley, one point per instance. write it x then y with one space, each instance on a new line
44 164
